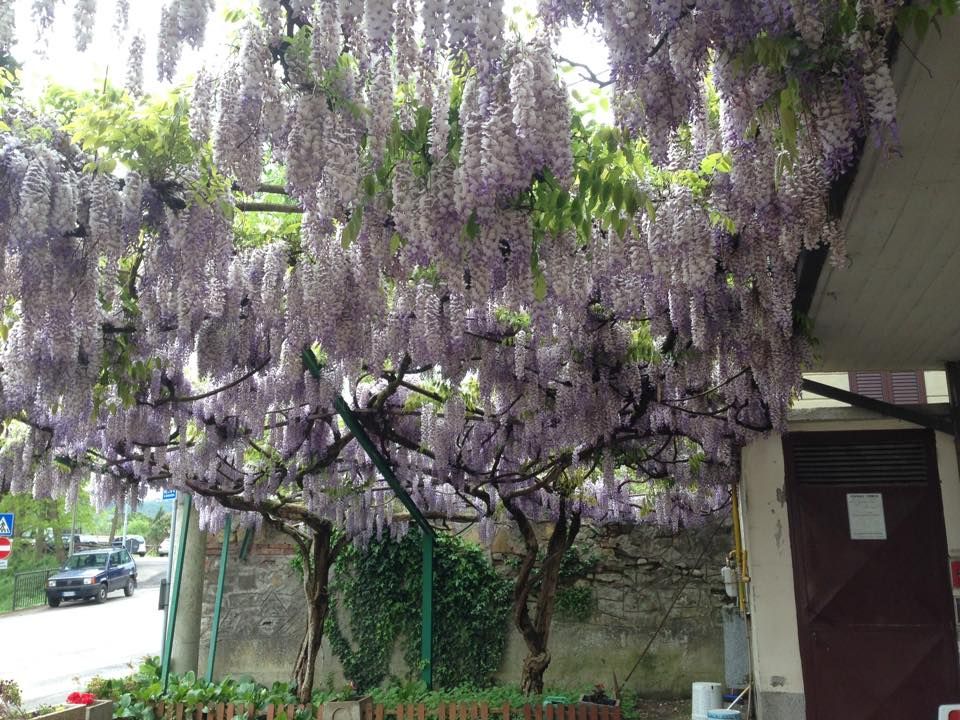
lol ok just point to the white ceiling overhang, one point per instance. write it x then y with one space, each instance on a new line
897 304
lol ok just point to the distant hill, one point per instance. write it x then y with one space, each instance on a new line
150 507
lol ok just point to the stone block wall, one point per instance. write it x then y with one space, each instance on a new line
638 575
262 619
643 577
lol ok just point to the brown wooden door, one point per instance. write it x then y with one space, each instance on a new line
874 605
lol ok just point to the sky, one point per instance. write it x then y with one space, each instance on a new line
56 58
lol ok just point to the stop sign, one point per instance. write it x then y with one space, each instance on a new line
5 547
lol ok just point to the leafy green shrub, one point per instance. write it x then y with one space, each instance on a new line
136 696
380 587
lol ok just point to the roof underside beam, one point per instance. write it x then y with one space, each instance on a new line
900 412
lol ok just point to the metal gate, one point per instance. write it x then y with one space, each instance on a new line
874 606
29 588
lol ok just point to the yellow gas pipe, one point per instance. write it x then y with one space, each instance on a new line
740 555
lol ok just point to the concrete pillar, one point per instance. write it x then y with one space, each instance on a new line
185 653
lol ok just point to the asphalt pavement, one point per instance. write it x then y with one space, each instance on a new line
51 652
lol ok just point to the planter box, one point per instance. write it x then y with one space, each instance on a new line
100 710
70 712
348 709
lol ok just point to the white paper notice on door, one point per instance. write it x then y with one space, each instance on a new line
866 516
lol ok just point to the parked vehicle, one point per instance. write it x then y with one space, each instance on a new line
93 574
164 547
30 538
133 543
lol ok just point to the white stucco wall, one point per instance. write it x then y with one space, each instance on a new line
775 647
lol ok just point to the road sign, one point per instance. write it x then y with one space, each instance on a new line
6 524
169 494
6 547
3 564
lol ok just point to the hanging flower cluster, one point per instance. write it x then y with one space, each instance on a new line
518 305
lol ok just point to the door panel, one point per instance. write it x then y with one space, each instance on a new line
875 617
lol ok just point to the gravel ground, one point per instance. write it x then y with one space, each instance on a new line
661 710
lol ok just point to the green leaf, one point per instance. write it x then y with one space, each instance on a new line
788 121
396 242
352 229
539 286
617 196
472 228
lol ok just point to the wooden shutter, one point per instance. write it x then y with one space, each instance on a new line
907 388
899 388
869 384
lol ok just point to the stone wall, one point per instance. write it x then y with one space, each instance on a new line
639 575
262 619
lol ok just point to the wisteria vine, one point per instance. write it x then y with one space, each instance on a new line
521 305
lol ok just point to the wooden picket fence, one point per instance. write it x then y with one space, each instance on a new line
445 711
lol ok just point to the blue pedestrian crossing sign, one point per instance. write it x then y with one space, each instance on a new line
169 495
6 524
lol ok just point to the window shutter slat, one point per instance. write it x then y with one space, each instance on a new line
869 384
907 388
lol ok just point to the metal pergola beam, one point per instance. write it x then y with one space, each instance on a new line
427 543
899 412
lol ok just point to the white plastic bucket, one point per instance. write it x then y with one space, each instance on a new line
706 696
723 715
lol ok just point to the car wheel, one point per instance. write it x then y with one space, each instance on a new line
129 587
101 595
143 553
53 602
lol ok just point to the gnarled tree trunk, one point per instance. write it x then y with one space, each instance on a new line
540 587
319 551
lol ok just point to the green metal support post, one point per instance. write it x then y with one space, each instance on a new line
215 628
175 596
426 611
380 462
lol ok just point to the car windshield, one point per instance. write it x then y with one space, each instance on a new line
94 560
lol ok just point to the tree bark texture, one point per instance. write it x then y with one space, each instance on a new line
540 588
318 556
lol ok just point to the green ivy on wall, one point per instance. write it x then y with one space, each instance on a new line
379 588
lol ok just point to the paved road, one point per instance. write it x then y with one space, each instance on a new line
51 652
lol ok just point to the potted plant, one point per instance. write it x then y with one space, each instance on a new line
10 706
599 697
352 706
